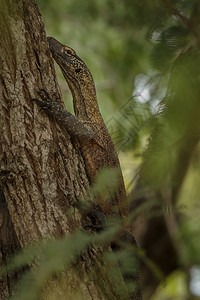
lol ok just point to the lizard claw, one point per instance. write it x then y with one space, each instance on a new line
44 95
42 103
39 102
46 103
45 100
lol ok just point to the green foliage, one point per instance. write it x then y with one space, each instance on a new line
52 260
174 288
106 181
49 257
169 43
190 230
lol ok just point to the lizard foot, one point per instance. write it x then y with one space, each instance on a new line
93 216
46 103
97 218
44 95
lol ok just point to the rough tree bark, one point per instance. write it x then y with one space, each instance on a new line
42 173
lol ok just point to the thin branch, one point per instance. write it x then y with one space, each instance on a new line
188 22
195 12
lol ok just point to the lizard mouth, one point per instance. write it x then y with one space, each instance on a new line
54 44
61 58
56 48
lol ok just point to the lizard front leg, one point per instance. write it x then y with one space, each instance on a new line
71 123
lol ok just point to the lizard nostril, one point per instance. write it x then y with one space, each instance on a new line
78 70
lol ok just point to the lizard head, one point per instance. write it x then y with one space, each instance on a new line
72 66
78 77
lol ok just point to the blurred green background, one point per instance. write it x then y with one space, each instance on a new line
144 57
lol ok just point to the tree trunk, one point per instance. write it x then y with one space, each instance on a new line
42 173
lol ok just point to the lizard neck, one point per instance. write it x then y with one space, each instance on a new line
84 99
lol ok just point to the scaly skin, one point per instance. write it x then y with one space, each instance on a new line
87 125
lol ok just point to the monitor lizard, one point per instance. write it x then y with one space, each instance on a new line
89 128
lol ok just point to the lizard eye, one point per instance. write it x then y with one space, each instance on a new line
68 50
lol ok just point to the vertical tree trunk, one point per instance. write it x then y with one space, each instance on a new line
42 173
